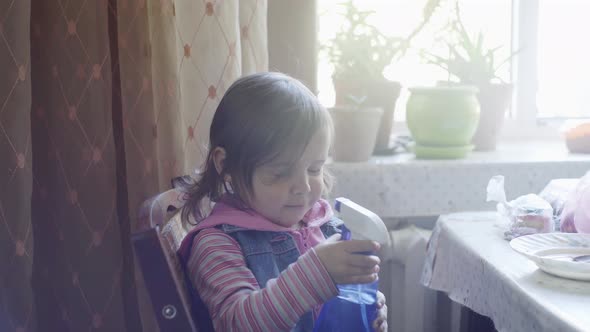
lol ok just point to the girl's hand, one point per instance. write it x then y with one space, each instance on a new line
344 263
380 323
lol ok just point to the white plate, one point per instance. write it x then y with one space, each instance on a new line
554 253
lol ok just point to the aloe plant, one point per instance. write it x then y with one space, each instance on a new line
360 50
468 60
357 101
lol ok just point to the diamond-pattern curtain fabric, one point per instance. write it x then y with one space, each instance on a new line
101 104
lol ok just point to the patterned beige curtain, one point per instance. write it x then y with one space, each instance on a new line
101 103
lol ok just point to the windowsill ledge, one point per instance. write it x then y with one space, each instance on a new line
402 186
522 151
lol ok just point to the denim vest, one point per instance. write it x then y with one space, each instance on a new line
267 254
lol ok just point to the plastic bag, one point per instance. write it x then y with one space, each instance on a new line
576 211
528 214
557 192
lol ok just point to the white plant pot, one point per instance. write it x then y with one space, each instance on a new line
355 132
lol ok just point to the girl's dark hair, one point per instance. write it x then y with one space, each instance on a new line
260 116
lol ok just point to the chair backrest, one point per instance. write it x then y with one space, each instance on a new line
156 251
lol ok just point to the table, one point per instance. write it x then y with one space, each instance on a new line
468 259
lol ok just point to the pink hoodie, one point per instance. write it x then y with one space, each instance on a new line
224 212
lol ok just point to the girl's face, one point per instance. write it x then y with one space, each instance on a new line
283 192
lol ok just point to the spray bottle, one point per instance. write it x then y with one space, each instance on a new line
355 307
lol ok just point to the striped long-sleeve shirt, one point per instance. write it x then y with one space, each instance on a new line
236 302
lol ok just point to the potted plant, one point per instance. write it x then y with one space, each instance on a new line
442 120
360 53
468 62
350 143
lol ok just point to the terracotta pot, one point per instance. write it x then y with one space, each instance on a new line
380 93
355 132
494 99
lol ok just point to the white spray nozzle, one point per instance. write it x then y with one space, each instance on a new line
362 223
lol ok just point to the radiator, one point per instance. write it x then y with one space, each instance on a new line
411 306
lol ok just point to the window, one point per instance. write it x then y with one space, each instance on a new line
563 59
551 73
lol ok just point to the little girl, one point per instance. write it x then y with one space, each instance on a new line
266 257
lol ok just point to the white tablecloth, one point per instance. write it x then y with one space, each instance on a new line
468 258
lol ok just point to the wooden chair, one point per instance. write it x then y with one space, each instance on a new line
156 251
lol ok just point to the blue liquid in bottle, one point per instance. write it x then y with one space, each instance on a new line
354 309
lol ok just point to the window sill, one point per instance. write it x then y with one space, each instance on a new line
401 186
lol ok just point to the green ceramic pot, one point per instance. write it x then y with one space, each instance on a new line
443 116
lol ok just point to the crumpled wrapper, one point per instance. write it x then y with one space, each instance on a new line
527 214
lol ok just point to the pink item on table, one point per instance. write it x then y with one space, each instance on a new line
575 216
582 213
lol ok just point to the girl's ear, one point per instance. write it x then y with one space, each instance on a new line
219 155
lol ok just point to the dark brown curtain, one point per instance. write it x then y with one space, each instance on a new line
101 103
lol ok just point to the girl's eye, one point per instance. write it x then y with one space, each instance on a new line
314 171
282 174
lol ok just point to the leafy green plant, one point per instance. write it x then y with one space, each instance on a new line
360 50
468 60
357 101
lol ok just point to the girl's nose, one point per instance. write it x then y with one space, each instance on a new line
301 185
